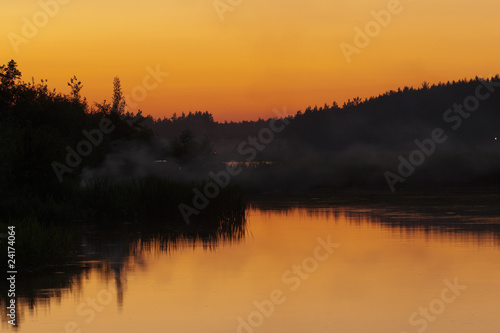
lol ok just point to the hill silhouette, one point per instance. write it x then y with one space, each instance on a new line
359 143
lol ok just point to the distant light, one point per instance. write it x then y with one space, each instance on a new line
496 139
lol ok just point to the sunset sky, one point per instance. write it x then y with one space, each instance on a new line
263 55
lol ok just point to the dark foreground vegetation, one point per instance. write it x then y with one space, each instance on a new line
50 145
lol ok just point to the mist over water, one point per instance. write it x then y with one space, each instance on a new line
439 135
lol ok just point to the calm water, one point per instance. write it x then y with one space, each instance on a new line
384 271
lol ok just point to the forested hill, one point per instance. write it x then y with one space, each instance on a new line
388 119
467 110
364 141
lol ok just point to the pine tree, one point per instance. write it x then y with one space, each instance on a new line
118 98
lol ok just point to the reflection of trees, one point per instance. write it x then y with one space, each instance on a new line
38 292
470 214
115 252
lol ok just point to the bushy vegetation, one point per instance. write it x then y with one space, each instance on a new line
43 194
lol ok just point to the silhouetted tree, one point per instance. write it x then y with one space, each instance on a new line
9 74
76 87
118 98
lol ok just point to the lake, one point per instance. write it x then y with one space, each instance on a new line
298 267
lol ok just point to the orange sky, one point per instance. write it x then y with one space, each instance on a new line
263 55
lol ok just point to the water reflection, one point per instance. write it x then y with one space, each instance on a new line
474 217
115 252
202 281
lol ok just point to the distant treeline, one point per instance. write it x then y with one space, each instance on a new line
389 119
358 143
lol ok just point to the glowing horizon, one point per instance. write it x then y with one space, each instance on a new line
260 57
